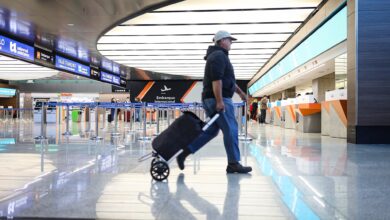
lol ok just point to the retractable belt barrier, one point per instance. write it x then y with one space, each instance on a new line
166 112
10 113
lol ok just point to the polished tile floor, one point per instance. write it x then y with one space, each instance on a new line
295 176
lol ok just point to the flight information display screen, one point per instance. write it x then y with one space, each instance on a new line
106 64
110 78
72 66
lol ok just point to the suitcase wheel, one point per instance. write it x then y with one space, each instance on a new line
159 170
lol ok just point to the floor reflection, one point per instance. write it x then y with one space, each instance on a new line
296 175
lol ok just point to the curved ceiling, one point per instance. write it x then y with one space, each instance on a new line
173 39
74 25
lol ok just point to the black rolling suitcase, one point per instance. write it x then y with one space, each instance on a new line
171 142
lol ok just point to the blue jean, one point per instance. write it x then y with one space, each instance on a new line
227 123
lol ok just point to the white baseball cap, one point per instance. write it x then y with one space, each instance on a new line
221 35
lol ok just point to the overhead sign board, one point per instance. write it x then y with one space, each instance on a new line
110 78
15 48
44 56
95 74
72 66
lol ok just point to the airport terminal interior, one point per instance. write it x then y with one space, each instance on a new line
91 91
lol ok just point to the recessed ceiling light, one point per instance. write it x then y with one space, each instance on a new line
70 24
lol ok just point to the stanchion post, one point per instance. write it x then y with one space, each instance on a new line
114 134
245 137
157 121
96 137
59 113
239 118
67 132
144 137
42 136
132 117
88 109
141 116
168 116
115 118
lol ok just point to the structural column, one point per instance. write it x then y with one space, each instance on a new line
323 84
368 71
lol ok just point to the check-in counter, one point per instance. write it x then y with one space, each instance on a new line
268 116
309 114
276 113
334 116
289 115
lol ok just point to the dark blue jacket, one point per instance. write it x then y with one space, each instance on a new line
218 67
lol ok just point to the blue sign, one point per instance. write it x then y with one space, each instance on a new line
106 77
16 48
72 66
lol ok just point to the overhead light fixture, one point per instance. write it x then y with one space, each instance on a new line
12 69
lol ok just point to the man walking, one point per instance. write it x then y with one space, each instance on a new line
219 86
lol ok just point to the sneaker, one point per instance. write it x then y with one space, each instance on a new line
180 161
181 158
238 168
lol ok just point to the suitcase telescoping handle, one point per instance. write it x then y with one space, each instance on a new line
211 121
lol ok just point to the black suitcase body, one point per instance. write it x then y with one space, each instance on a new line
178 135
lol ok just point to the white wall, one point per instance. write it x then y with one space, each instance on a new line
196 94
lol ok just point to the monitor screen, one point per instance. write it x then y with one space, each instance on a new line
38 105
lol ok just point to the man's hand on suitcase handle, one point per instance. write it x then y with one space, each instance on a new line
220 107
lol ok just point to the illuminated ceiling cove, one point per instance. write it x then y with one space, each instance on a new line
12 69
174 39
